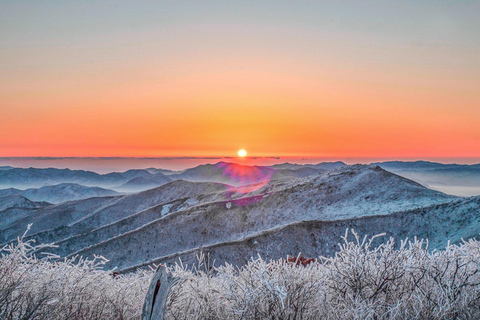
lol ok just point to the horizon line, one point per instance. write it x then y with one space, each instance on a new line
233 158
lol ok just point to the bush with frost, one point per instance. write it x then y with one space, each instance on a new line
78 288
362 281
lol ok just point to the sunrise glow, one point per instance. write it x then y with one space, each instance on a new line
337 80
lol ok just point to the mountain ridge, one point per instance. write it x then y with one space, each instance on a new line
208 222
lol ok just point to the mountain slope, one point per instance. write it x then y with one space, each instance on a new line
72 218
17 201
14 207
438 223
336 195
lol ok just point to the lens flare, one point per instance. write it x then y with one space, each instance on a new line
245 179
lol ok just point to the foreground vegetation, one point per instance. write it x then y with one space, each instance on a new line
360 282
48 288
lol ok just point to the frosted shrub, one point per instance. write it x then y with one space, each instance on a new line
34 288
361 281
260 290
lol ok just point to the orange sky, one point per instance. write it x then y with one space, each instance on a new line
210 86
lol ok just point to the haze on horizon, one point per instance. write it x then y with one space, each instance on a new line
168 78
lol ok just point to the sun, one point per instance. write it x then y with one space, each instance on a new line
242 153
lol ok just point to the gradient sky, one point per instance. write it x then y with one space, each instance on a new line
206 78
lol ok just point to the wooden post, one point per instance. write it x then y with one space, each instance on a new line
156 299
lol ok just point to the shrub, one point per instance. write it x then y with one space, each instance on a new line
360 282
50 288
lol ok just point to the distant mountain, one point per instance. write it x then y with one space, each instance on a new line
423 165
60 192
225 172
301 172
134 173
143 183
17 201
164 171
458 179
320 166
337 195
41 177
13 207
34 178
466 176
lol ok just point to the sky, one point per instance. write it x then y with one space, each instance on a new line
207 78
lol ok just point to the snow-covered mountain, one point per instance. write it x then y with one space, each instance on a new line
143 183
450 178
34 178
183 216
73 217
14 207
164 171
270 211
337 195
59 193
17 201
320 166
225 172
452 221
